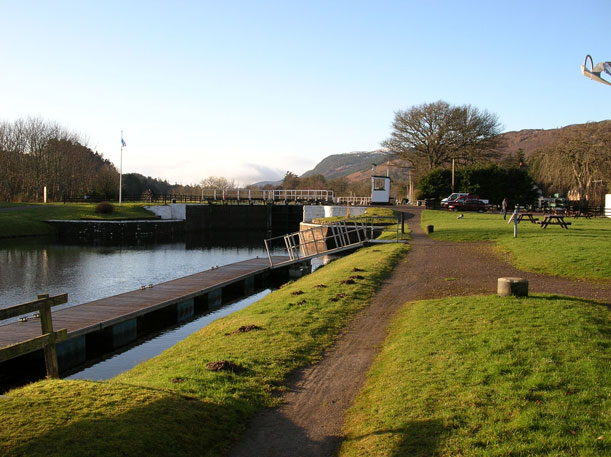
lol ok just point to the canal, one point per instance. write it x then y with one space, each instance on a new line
90 272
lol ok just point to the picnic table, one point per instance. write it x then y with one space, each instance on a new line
581 213
528 216
554 219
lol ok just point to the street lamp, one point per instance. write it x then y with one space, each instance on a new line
595 71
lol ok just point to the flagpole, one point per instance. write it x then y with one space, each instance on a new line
121 169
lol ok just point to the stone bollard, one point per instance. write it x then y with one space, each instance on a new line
512 286
429 229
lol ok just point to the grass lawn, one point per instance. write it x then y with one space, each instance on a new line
488 376
581 252
29 220
172 405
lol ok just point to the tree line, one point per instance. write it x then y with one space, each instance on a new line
35 154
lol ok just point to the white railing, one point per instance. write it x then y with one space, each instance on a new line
356 201
268 195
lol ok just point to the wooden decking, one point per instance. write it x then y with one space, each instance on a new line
98 314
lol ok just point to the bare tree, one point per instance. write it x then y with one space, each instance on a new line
431 135
35 153
578 160
218 183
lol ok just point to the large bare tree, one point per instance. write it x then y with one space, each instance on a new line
218 183
35 153
579 160
431 135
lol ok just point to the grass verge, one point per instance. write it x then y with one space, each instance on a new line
173 405
488 376
580 252
27 219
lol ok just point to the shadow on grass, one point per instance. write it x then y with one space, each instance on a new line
168 426
585 301
417 439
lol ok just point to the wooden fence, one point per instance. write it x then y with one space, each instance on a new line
48 338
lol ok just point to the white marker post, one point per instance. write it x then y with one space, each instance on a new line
514 218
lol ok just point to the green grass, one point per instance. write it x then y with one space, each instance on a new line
29 220
581 252
488 376
172 405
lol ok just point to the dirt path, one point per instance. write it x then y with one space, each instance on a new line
310 421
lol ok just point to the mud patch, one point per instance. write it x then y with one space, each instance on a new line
224 365
246 328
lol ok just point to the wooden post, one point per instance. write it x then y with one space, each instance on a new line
46 324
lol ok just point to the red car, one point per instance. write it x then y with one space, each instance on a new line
467 204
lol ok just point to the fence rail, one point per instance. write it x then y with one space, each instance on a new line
48 338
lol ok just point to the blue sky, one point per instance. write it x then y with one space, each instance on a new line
249 90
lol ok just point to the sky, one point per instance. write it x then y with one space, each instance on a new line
249 90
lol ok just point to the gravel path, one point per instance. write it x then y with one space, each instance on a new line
309 422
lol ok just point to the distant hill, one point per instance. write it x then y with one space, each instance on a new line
339 165
530 140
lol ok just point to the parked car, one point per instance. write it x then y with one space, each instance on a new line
452 197
467 204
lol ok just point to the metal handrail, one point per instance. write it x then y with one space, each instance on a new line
341 235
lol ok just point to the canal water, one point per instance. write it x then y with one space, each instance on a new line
88 272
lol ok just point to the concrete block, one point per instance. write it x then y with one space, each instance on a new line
512 286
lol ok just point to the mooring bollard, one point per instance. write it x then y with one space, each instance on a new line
429 229
512 286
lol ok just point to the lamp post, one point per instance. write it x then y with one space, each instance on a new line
595 70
